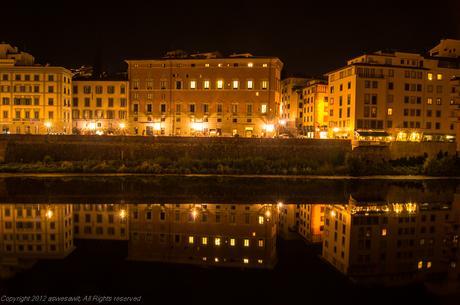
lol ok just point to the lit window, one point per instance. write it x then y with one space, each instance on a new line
261 243
264 65
220 84
219 65
205 258
420 265
260 261
236 84
232 242
390 111
250 64
428 265
191 239
264 85
246 242
384 232
193 84
206 65
206 84
429 101
261 220
430 76
439 76
246 260
263 108
217 241
204 240
250 84
216 259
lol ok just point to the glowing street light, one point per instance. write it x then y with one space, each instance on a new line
48 124
122 125
49 213
92 126
282 122
269 127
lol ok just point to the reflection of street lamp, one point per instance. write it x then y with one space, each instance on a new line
49 213
122 214
48 126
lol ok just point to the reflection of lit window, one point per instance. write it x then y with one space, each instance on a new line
430 76
428 265
420 265
263 108
217 241
204 240
261 220
191 240
232 242
246 260
384 232
246 242
261 242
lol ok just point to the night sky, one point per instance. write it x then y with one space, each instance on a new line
310 37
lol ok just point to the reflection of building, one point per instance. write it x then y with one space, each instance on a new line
288 221
210 234
393 243
100 106
455 107
311 222
205 94
33 231
403 94
34 99
101 221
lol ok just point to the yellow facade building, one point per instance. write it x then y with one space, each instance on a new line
315 109
34 99
205 94
402 96
100 106
311 222
204 234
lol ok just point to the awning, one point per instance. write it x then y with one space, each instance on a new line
372 133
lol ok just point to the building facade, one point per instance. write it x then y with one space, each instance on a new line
315 109
311 222
34 99
205 94
291 115
100 106
405 96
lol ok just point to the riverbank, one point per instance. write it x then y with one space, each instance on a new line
441 166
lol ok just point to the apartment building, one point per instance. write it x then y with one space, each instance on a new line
100 105
390 243
35 99
101 221
315 109
205 94
455 106
288 223
204 234
291 114
395 95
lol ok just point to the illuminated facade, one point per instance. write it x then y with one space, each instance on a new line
390 244
34 99
311 222
100 106
394 95
101 221
205 94
292 104
315 109
204 234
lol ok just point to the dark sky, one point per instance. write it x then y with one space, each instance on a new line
310 37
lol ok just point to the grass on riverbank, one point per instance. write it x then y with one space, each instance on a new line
442 165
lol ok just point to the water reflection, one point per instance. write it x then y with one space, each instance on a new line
392 243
